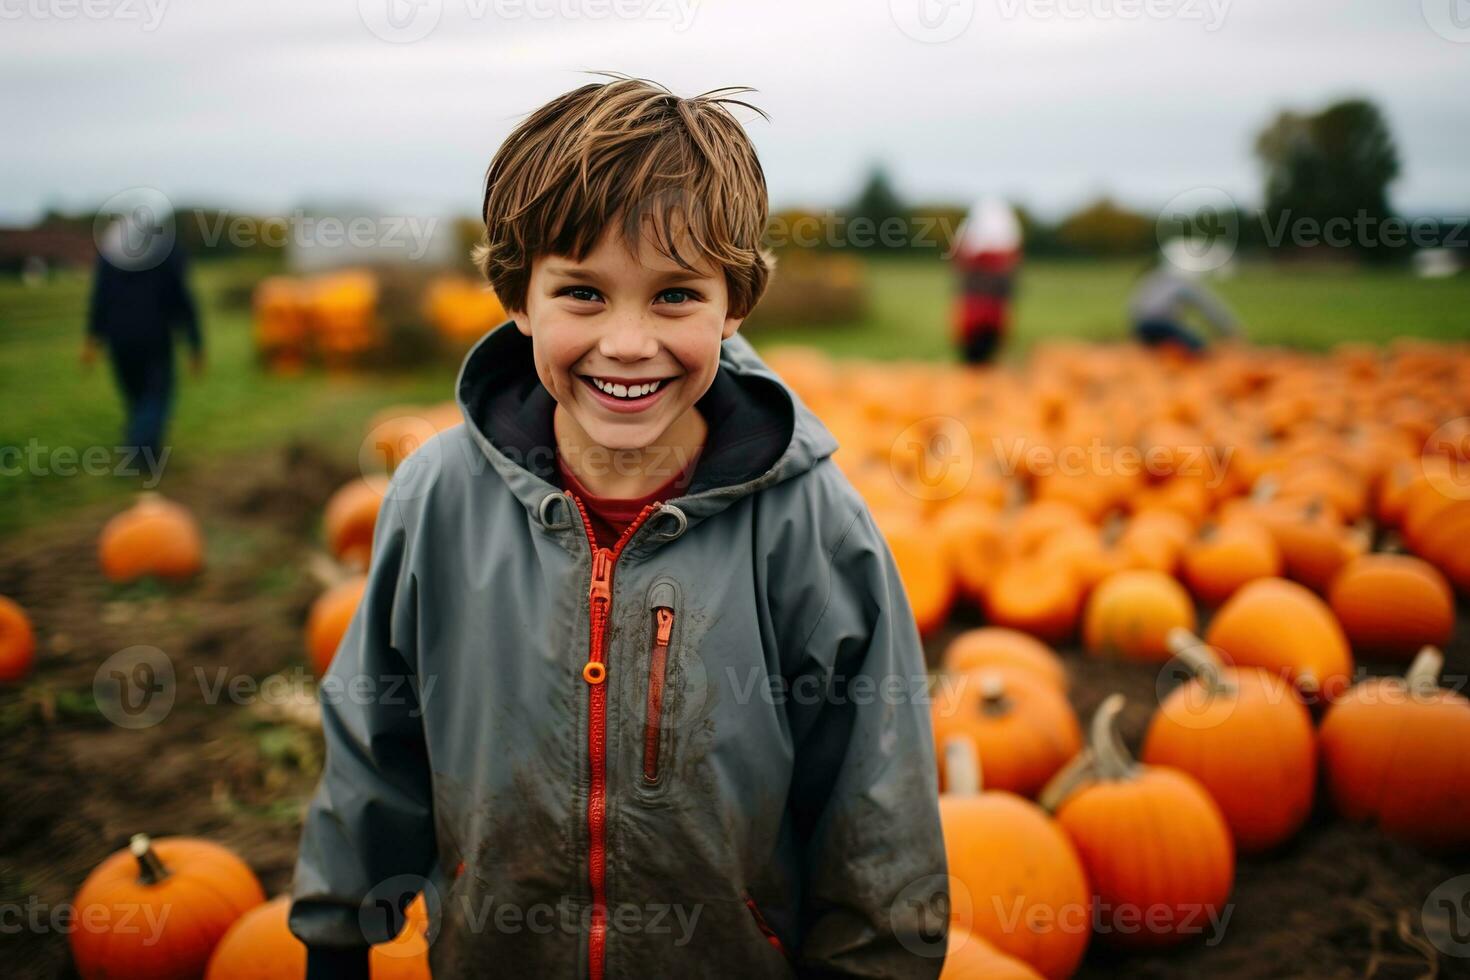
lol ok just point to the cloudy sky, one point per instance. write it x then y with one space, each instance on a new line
267 104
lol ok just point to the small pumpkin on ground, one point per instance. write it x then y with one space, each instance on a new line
351 516
156 909
1155 845
329 618
1393 605
1284 627
1023 729
1227 555
261 946
1396 751
1131 613
996 646
17 642
1244 734
1015 878
156 537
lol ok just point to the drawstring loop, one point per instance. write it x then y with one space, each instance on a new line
544 508
681 522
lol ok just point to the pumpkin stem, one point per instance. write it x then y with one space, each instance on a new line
150 869
326 571
1422 677
1307 682
1199 658
961 766
1391 543
1265 489
1079 771
993 700
1113 760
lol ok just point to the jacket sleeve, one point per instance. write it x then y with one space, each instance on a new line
864 792
180 302
369 829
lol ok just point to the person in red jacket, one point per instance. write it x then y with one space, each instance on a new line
986 256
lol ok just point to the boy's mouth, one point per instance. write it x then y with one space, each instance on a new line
626 394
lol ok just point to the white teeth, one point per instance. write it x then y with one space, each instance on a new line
626 391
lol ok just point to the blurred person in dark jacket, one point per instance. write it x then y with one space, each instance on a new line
140 299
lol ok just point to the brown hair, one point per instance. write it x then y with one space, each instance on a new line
627 150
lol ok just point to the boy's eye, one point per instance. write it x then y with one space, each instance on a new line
584 293
677 296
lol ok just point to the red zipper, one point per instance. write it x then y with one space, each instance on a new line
658 659
594 672
764 926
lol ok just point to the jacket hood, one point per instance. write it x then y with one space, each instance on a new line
760 432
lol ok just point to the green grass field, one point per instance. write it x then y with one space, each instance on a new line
49 402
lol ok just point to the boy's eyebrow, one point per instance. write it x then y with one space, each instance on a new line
667 276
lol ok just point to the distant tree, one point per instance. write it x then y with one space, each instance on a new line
876 218
1105 228
1334 165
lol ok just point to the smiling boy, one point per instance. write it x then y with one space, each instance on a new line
680 727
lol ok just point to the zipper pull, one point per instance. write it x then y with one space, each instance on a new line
602 575
664 617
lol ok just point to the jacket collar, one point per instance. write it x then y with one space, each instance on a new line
759 431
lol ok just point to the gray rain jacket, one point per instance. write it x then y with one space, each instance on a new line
743 786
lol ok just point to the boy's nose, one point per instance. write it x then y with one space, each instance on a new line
628 338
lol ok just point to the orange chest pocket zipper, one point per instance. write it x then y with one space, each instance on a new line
661 608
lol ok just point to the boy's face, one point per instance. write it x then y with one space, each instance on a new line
606 328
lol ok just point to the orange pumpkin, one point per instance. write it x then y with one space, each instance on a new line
1285 628
1244 734
261 946
996 646
1396 752
1393 605
156 909
1036 598
1156 539
350 517
927 581
1226 556
17 642
1156 848
1015 879
153 537
1023 728
328 620
975 546
1131 613
971 958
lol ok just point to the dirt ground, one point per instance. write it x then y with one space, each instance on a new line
1340 901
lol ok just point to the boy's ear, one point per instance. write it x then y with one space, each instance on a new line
523 323
732 324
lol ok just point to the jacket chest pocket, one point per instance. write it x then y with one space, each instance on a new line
659 687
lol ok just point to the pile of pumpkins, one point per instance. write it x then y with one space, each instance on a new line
331 317
338 317
180 908
1311 510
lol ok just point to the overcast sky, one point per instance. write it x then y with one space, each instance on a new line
267 104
